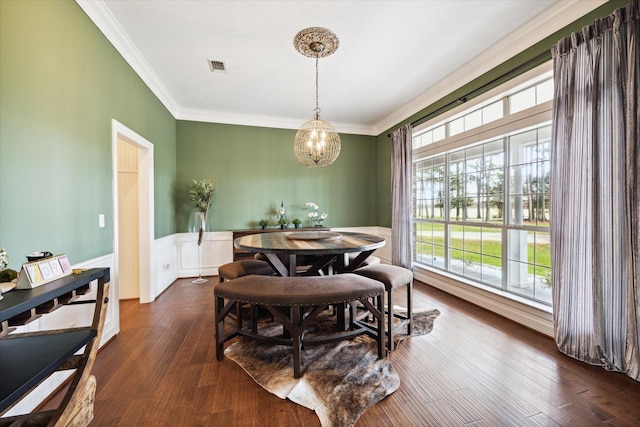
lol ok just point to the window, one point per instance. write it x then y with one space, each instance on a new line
481 191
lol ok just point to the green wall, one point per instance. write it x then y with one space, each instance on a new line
61 84
255 169
384 142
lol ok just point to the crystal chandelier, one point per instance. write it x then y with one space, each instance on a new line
317 143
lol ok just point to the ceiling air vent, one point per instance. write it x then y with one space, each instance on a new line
217 66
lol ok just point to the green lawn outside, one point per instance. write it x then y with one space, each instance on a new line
539 254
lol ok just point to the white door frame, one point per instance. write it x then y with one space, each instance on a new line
146 206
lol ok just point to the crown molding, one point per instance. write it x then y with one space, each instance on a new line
263 121
99 13
563 14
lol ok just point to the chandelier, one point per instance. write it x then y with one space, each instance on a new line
317 143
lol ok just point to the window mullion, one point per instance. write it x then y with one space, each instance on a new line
506 194
447 212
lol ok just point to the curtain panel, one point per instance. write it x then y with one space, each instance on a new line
401 197
595 193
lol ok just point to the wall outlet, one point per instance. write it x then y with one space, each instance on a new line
101 220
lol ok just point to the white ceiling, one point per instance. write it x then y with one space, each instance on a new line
395 57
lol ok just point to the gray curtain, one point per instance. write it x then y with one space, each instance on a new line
595 193
401 201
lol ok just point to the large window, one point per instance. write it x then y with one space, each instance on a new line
481 191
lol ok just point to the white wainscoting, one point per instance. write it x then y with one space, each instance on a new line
166 264
216 250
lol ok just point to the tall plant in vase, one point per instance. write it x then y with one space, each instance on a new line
201 194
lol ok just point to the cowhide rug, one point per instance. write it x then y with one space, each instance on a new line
340 381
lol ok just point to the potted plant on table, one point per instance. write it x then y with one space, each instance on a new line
263 223
296 222
283 222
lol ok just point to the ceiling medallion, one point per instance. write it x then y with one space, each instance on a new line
316 42
317 144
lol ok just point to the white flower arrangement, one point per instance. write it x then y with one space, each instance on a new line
315 216
4 258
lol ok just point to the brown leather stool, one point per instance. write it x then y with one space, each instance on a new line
393 277
241 268
244 267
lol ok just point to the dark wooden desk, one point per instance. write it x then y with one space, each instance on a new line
29 358
333 249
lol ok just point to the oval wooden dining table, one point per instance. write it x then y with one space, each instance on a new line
281 249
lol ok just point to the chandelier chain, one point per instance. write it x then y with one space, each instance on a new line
317 104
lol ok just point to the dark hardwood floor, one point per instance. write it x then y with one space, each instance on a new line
474 369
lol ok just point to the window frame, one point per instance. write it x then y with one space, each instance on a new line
534 117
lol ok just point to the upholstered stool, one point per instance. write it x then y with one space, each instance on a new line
241 268
296 302
244 267
393 277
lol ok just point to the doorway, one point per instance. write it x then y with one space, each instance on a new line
128 221
133 214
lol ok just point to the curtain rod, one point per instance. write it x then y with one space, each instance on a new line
525 66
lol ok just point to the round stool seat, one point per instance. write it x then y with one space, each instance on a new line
245 267
392 276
